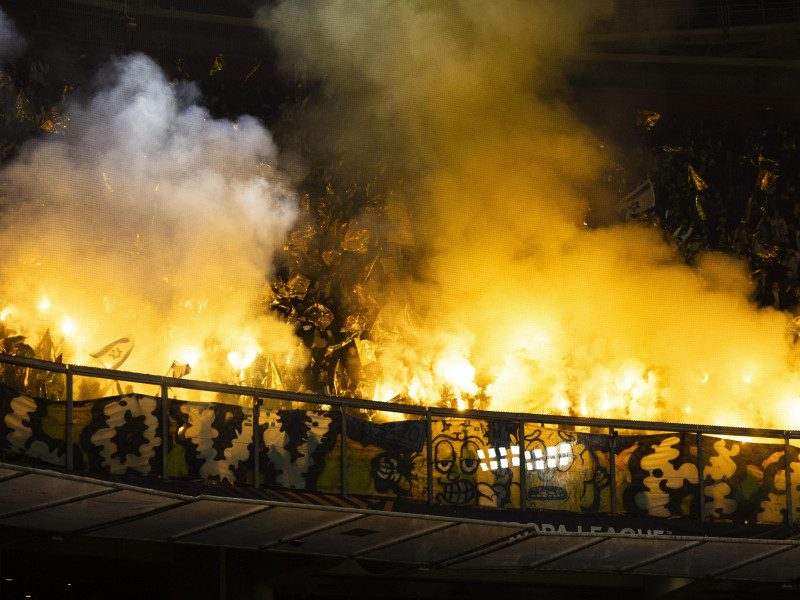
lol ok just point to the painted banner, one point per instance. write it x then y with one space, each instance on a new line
567 470
469 463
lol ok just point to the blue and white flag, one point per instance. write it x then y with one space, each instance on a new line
114 354
638 201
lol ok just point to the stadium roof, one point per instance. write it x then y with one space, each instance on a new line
60 503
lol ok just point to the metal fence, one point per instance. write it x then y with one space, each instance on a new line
81 419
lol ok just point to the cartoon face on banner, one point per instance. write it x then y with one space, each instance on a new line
464 472
562 472
456 463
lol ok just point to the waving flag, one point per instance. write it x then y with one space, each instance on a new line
177 370
273 380
114 354
638 201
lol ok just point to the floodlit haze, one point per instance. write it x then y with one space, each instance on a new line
552 315
150 218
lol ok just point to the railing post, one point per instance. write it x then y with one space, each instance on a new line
612 468
69 423
701 484
788 463
429 445
344 448
256 439
164 431
523 473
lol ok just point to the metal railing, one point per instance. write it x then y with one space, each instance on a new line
254 397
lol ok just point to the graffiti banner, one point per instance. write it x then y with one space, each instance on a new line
566 470
467 463
33 428
657 475
473 463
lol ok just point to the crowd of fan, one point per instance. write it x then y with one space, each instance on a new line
721 185
326 275
726 186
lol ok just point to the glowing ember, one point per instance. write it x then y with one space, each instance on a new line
417 392
384 393
457 371
189 356
240 360
67 326
794 409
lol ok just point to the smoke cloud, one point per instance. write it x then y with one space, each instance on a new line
149 218
465 99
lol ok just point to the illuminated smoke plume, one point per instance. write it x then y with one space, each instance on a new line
147 218
553 316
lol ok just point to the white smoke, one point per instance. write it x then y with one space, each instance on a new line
148 217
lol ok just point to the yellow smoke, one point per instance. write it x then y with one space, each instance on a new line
465 98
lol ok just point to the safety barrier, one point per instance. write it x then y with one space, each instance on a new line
105 422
